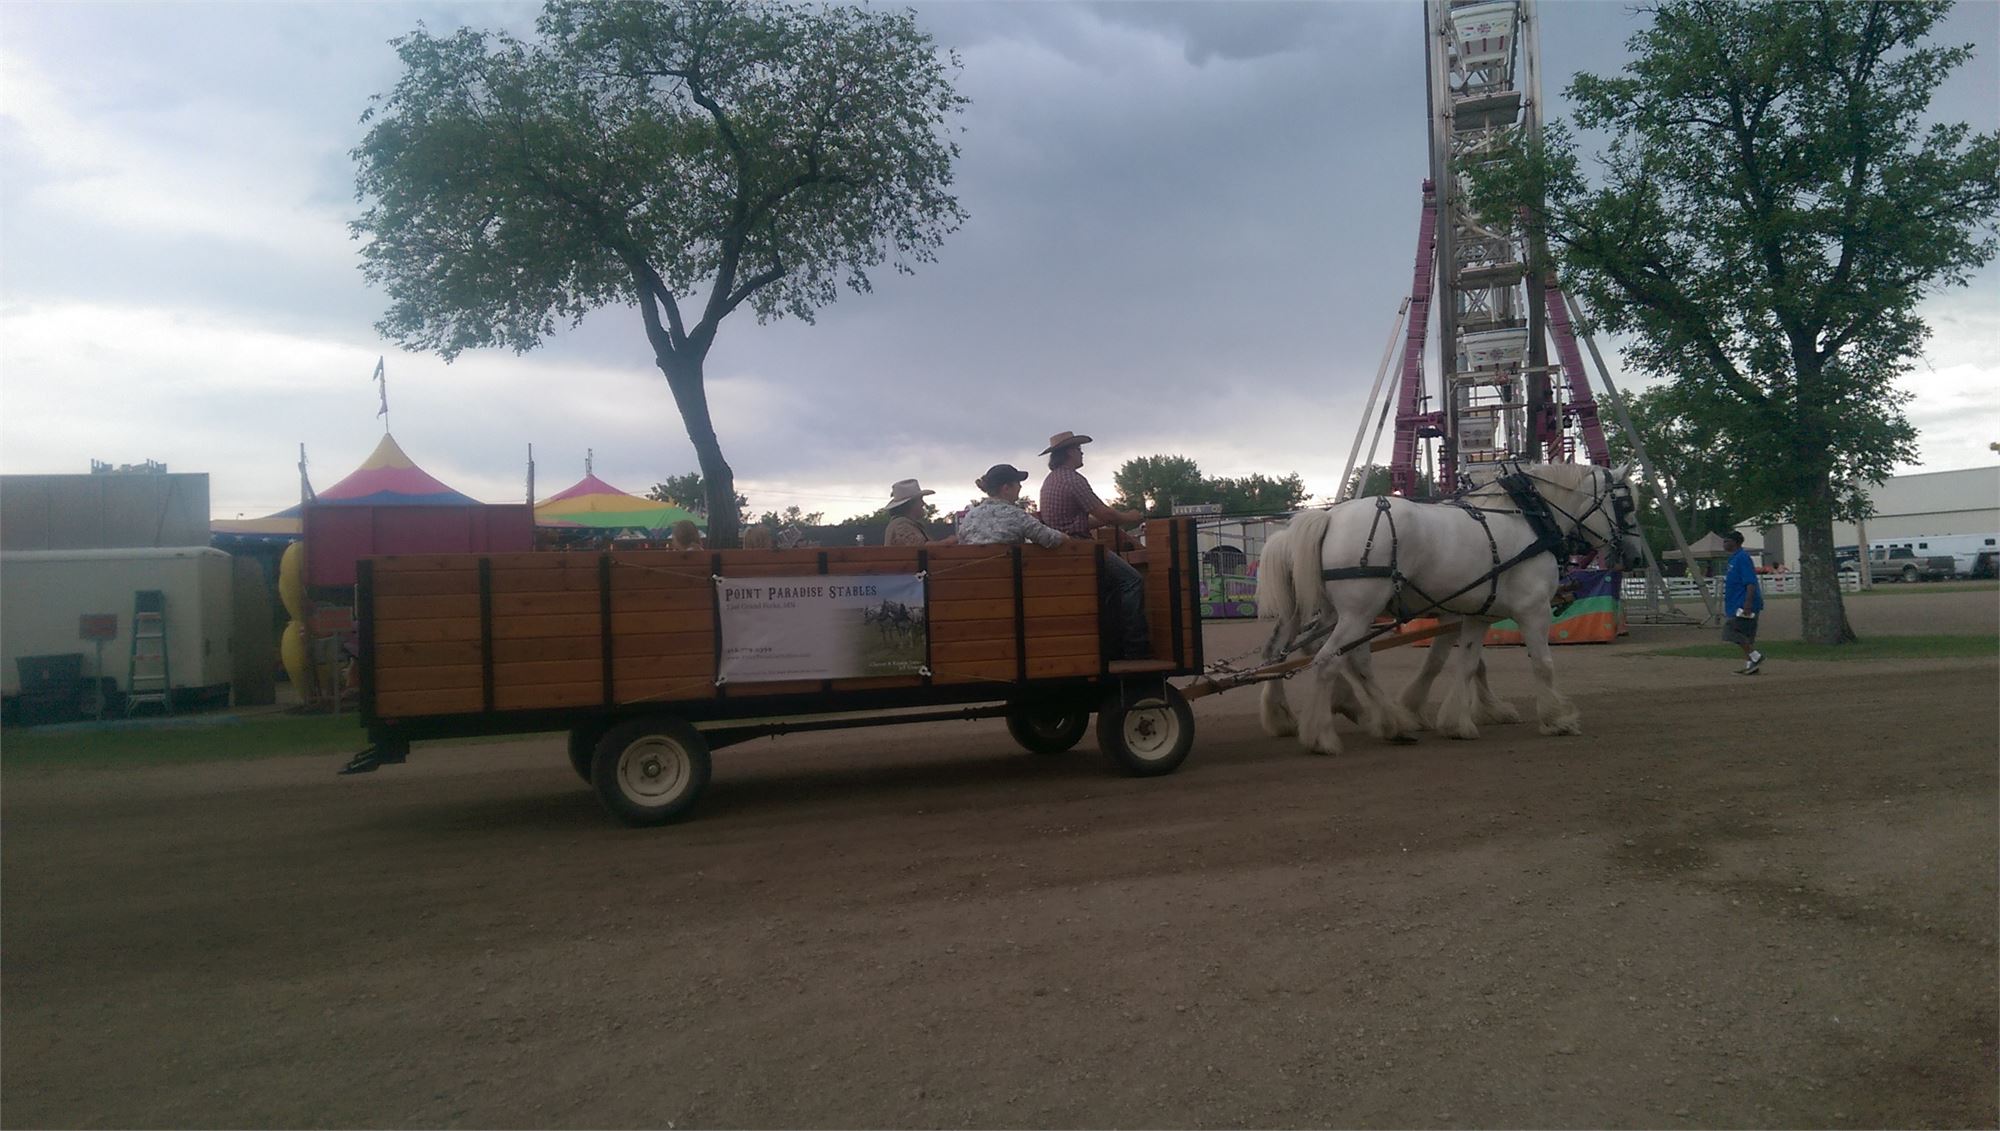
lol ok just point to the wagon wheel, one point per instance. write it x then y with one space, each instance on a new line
650 771
583 749
1150 735
1047 726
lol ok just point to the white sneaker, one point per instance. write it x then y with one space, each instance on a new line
1756 660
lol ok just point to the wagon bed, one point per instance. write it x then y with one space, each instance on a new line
607 645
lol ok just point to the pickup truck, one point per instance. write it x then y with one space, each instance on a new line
1902 564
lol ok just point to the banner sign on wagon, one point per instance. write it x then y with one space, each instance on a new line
821 626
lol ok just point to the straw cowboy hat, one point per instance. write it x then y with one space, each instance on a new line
1063 440
905 491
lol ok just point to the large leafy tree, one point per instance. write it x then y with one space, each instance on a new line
1155 483
685 157
687 490
1694 462
1773 206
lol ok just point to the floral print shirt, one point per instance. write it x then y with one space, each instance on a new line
996 522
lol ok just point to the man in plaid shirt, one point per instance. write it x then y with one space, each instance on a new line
1069 505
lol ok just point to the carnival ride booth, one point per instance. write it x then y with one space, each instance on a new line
386 506
593 515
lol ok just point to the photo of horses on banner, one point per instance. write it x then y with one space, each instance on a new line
1492 553
895 636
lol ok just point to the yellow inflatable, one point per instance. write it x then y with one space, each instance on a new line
292 581
292 650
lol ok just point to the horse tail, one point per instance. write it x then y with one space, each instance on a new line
1274 577
1308 536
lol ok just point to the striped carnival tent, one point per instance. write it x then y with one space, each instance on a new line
592 505
387 478
388 505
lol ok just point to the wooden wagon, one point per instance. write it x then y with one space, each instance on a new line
626 652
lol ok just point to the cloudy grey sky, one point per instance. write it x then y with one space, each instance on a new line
1190 228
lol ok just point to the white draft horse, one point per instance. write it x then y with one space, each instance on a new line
1490 554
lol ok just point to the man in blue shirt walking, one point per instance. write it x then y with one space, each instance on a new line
1742 600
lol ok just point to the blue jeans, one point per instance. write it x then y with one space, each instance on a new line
1121 594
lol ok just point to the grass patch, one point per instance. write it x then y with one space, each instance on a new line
1873 648
215 737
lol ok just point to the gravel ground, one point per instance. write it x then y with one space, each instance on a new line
1735 901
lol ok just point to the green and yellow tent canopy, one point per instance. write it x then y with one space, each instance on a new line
594 505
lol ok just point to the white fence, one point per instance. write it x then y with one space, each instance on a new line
1689 588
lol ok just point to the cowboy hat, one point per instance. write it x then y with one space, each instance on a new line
905 491
1063 440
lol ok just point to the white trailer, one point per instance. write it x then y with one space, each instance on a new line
44 594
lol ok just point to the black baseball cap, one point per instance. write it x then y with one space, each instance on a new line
1002 473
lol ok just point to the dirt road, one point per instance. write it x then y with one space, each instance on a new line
1763 901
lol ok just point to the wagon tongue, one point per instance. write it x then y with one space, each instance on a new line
380 754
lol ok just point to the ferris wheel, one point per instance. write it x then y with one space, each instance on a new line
1497 395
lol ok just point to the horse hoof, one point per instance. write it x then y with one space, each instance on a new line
1554 730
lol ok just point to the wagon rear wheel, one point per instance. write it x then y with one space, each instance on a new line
650 771
583 749
1047 726
1149 736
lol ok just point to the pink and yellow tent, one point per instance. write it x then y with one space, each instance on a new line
591 504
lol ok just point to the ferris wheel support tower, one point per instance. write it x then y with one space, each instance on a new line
1498 396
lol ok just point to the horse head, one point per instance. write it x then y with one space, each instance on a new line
1596 504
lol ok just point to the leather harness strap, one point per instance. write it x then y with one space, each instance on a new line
1533 508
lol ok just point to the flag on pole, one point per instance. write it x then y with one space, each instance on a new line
381 379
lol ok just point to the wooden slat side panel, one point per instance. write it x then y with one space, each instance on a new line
430 606
1064 585
441 677
644 623
679 600
1060 666
628 690
945 656
426 654
996 629
547 648
406 704
688 665
420 583
530 673
1041 647
567 602
637 645
521 626
576 579
988 671
942 611
547 695
626 578
401 631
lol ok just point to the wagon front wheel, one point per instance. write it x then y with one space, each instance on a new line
1148 736
1048 728
650 771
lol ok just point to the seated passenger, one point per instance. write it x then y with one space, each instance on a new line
1074 508
998 520
906 514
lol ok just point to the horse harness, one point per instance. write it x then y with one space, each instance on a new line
1529 504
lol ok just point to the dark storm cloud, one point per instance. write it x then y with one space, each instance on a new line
1190 226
